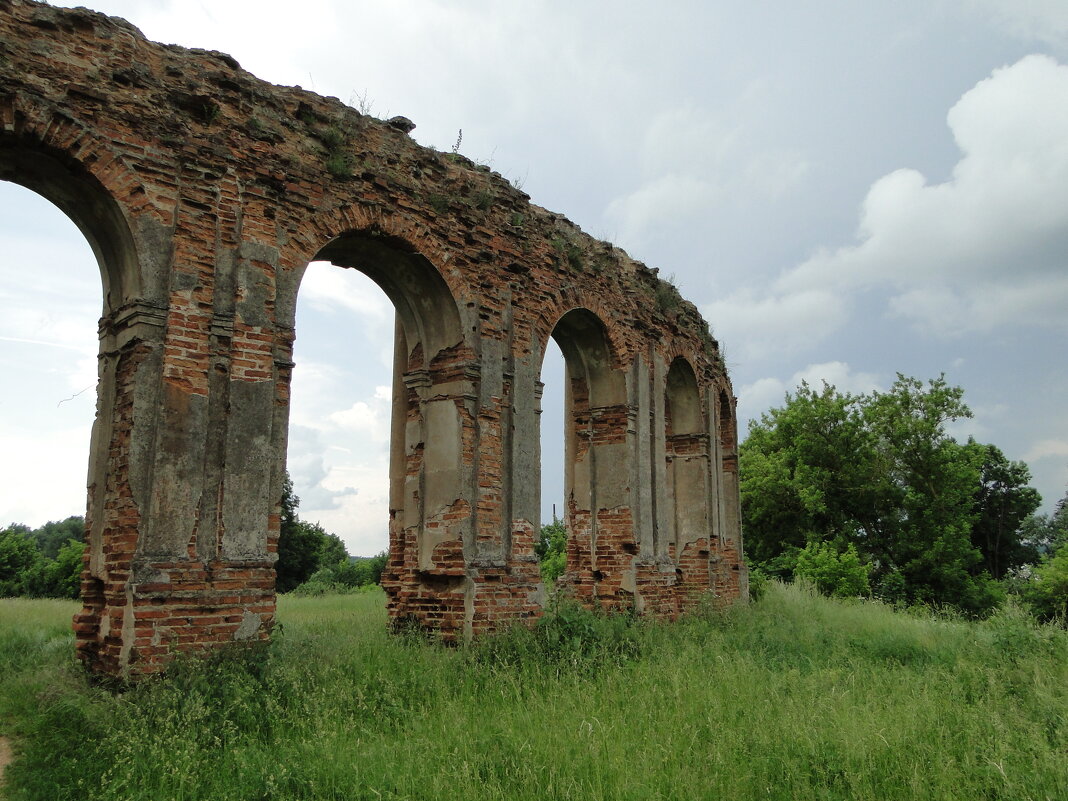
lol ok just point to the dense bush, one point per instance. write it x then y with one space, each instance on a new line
1047 590
352 574
840 574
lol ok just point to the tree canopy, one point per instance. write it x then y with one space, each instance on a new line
44 562
935 520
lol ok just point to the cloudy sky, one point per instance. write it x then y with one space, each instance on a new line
847 191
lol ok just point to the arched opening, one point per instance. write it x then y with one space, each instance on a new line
50 303
428 509
87 204
551 539
596 463
687 452
339 430
115 450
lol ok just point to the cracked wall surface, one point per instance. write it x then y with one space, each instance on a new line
205 193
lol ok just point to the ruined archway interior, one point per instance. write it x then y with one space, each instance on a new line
430 519
594 444
50 298
689 518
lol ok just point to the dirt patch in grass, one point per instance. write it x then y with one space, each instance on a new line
5 757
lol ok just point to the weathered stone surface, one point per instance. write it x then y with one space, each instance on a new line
205 193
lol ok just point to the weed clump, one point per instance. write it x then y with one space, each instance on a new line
567 638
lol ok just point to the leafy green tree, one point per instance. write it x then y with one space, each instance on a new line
1046 533
809 472
54 535
60 577
299 543
353 573
840 574
305 548
1003 502
551 550
18 559
935 478
876 471
376 566
359 571
332 549
1058 524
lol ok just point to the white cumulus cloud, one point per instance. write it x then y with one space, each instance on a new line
757 325
989 246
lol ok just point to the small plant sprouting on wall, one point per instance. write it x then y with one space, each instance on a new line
439 203
339 161
668 297
339 165
209 111
566 249
334 138
574 256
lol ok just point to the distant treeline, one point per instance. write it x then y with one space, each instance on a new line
312 561
45 562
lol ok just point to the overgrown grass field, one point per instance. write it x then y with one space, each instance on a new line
794 697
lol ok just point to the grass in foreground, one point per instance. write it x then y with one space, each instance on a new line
795 697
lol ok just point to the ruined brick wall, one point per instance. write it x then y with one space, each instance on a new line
205 193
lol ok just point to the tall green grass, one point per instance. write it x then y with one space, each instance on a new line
795 697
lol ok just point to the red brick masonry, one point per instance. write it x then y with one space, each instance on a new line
205 193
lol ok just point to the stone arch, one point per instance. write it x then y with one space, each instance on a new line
596 455
60 160
688 476
426 308
571 300
67 182
373 240
431 494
